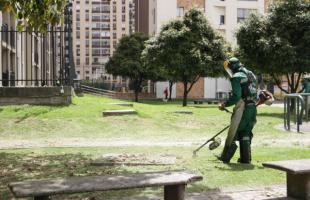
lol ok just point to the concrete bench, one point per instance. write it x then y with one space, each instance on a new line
297 175
174 184
119 112
121 104
183 112
198 102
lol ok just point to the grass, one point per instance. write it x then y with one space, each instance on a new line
84 119
155 122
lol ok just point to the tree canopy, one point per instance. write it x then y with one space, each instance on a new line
127 61
278 44
35 14
186 50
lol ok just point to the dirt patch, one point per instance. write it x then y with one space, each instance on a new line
134 160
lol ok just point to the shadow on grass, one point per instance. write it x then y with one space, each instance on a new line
276 115
20 167
36 113
237 167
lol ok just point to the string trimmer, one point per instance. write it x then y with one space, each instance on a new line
216 142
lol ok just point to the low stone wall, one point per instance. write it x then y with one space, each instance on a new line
35 95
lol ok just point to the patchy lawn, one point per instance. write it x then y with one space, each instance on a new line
83 122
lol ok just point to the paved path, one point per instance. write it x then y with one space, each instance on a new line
101 142
266 193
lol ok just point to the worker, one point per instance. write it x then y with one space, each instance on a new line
244 94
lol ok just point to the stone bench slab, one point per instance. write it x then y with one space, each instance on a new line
291 166
121 104
297 176
183 112
101 183
119 112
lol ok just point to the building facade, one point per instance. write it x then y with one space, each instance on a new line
152 14
31 59
226 16
98 25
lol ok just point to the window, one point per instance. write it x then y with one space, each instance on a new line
87 15
123 18
180 11
222 19
77 61
78 34
78 25
243 13
77 16
78 52
87 61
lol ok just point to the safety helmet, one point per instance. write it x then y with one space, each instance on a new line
232 65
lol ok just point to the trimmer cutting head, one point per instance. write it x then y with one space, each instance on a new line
215 144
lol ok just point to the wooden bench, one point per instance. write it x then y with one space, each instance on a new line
297 175
119 112
174 184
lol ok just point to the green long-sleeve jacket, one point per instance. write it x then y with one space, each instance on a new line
236 81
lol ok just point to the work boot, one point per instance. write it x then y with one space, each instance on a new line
228 153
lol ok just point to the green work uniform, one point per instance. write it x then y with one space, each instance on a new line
241 92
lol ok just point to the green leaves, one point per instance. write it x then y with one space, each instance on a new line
278 44
35 14
186 50
127 61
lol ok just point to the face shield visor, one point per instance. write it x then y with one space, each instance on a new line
227 69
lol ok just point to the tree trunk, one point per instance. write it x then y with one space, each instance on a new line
136 94
170 89
185 94
137 85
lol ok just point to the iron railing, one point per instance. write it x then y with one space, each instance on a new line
35 59
294 107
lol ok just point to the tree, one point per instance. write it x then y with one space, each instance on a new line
187 50
127 61
279 44
37 14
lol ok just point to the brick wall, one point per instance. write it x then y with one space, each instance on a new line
197 92
188 4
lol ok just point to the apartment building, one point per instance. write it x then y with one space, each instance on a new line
185 5
97 27
152 14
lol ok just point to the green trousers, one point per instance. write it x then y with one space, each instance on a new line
243 135
247 122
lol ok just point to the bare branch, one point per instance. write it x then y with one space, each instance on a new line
278 82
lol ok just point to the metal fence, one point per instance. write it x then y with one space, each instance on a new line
35 59
294 110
